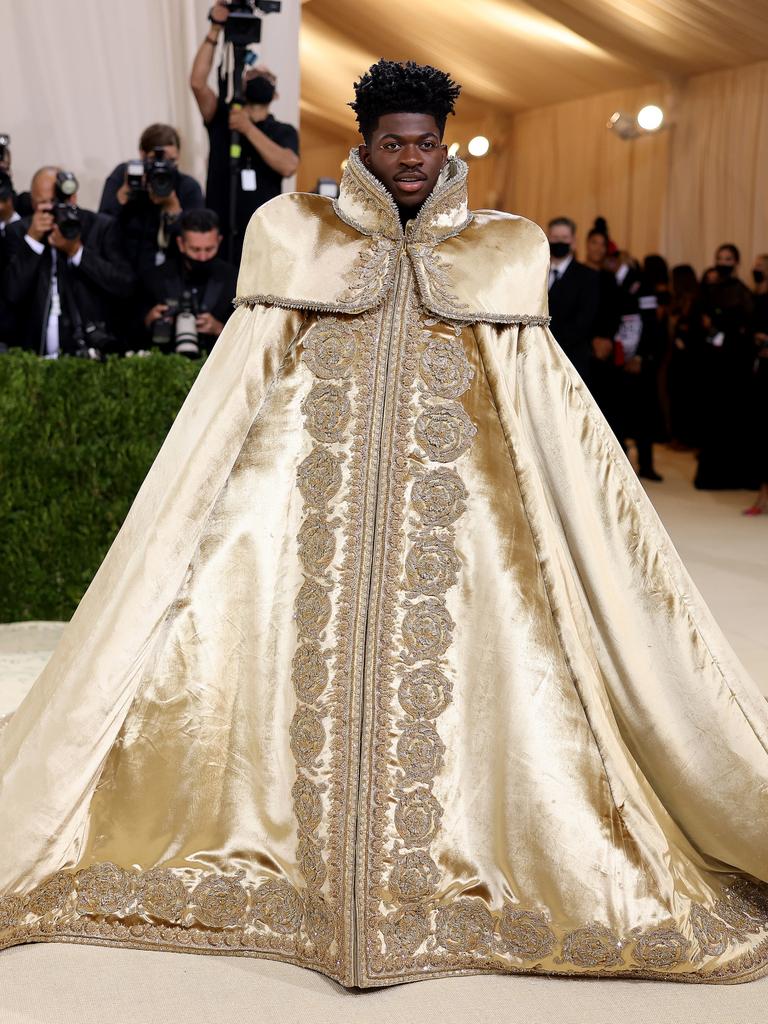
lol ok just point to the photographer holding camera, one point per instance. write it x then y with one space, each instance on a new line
65 268
147 196
188 301
269 149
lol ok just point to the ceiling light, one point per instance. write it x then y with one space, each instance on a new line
478 146
650 118
453 149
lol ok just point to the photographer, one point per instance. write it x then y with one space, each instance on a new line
65 268
199 285
8 213
148 195
270 148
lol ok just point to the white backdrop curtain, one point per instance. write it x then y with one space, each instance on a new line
81 79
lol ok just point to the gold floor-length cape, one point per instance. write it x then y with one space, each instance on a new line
392 671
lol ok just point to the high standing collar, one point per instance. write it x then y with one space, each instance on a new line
304 252
366 205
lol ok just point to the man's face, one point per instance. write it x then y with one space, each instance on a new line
406 155
43 190
200 246
169 152
561 233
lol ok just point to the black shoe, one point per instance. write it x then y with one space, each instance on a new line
649 474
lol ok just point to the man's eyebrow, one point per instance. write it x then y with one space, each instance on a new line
394 135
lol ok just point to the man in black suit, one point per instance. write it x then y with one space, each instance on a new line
574 296
198 279
62 278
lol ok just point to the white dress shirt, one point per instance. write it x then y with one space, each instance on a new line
52 346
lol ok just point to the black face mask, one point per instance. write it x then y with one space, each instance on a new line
725 270
758 276
198 271
559 249
259 90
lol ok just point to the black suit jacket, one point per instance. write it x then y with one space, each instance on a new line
573 305
86 291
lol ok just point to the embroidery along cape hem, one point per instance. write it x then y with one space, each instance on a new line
392 671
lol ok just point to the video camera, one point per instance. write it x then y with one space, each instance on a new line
156 173
243 24
6 185
179 325
66 214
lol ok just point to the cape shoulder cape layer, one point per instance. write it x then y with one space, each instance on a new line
309 252
392 670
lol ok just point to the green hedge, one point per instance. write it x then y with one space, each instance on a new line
76 441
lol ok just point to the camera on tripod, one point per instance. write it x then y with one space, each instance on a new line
66 214
178 326
156 174
243 24
6 185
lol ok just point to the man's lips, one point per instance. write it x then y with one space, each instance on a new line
411 183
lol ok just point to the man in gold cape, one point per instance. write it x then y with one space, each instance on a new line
392 671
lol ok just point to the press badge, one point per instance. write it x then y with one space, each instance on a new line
248 179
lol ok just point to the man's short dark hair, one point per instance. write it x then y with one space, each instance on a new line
395 87
566 221
158 135
199 220
732 249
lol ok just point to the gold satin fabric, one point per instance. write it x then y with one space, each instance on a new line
392 671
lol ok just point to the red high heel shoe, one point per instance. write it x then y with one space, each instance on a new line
754 510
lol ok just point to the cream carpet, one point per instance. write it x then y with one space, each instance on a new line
727 555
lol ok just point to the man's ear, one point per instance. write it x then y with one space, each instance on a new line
180 243
364 153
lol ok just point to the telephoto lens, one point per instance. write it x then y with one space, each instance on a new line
65 213
186 328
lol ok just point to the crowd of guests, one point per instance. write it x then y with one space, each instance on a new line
156 265
668 356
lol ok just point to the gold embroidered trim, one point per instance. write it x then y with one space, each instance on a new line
180 909
481 316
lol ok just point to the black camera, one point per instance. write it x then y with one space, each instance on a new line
91 340
156 173
243 24
178 326
65 213
161 174
6 185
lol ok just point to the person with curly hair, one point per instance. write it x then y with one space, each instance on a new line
392 671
